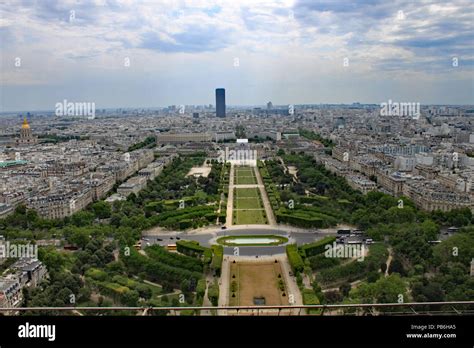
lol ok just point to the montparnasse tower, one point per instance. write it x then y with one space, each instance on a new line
26 137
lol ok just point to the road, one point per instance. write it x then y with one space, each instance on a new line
209 238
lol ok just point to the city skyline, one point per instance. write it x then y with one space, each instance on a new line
292 52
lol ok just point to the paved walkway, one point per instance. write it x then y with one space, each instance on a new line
266 201
206 302
290 283
230 198
389 260
224 285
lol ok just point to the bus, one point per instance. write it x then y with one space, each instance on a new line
171 247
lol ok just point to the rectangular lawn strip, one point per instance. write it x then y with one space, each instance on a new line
248 203
250 217
245 176
246 192
248 207
246 180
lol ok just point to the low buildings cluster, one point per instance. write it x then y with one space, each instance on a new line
430 159
25 272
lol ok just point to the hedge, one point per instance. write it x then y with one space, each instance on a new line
191 248
296 262
310 298
184 218
157 271
213 293
158 253
218 256
317 247
299 220
201 288
312 199
320 261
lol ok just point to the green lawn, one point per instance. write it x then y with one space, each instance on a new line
245 176
246 180
249 217
248 199
248 203
247 193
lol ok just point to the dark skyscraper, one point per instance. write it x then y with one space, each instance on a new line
220 102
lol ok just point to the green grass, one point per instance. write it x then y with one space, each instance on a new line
248 199
246 180
309 298
227 240
248 203
245 176
246 192
250 217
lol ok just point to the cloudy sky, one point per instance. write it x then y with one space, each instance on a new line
123 53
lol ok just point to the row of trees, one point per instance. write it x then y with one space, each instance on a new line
148 142
123 222
170 277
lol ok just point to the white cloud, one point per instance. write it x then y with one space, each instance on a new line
198 39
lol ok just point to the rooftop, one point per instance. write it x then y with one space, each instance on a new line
4 164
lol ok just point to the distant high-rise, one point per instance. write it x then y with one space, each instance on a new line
220 102
269 105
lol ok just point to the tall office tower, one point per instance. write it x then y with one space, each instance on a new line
220 102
